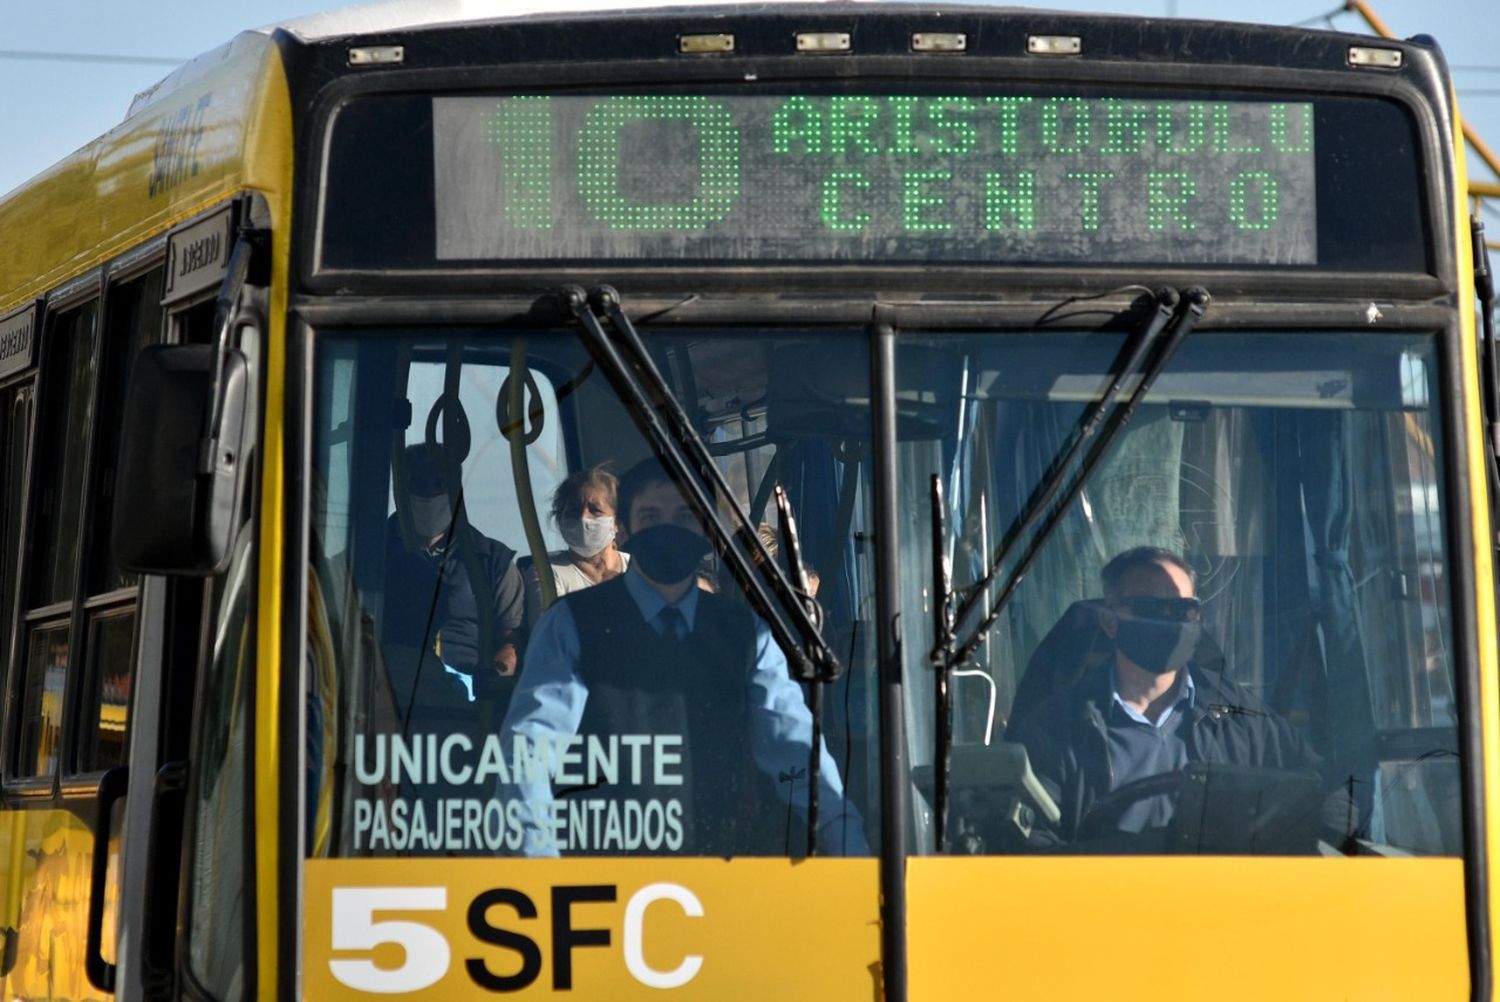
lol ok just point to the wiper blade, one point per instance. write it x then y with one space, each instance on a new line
1043 506
797 568
667 425
679 442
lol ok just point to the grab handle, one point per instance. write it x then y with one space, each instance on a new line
113 786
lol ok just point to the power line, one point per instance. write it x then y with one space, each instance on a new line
29 55
1327 17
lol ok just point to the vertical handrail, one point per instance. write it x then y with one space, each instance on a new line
894 799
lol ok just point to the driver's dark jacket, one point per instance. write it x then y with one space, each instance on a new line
1065 741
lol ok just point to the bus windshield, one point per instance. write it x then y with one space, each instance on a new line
1280 496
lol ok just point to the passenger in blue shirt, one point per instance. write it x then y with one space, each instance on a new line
647 660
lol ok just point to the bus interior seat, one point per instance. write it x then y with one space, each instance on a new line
1074 646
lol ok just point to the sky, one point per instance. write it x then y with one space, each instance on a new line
50 105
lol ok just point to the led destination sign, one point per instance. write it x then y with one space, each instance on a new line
891 177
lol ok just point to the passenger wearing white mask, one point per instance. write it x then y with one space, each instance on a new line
583 509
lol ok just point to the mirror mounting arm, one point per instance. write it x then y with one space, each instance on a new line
231 315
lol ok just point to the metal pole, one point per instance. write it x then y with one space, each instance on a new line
894 803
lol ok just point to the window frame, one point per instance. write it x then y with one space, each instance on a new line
77 295
90 601
15 563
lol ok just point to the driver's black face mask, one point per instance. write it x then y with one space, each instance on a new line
1157 645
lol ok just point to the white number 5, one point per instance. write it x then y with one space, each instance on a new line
354 928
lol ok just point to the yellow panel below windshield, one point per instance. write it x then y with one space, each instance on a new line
1186 928
454 929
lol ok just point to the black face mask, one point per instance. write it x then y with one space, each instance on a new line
1158 645
667 554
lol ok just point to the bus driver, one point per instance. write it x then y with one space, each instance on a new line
1151 709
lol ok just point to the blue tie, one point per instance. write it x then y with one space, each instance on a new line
670 624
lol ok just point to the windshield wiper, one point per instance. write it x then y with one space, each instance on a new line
662 417
797 568
1145 344
1132 354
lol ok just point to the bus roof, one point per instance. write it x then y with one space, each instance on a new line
200 133
219 128
403 15
390 15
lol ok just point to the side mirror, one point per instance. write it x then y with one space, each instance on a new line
176 508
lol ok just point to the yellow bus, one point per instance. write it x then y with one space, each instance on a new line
1061 447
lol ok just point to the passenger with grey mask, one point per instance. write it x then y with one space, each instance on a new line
1150 710
583 509
433 573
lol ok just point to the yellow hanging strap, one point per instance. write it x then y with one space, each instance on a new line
322 665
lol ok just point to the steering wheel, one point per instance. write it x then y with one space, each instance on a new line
1226 808
1104 815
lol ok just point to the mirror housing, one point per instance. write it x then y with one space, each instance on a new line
176 510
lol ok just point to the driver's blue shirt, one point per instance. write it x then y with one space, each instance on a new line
1139 748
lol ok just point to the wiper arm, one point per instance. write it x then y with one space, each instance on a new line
947 653
1195 305
942 660
1132 354
634 373
685 450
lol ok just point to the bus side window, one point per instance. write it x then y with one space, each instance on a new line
78 607
133 319
69 362
17 402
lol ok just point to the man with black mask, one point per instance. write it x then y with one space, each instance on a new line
1148 711
647 697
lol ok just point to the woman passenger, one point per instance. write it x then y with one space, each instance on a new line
583 509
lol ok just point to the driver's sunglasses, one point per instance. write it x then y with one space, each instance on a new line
1177 610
